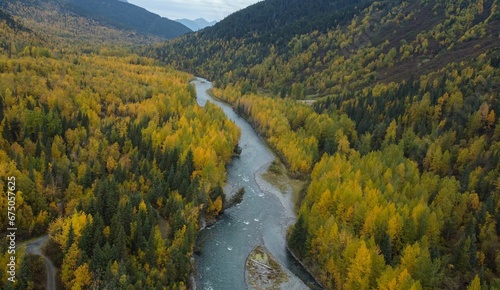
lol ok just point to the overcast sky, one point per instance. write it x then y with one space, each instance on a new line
192 9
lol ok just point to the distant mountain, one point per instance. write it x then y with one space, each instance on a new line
124 15
196 24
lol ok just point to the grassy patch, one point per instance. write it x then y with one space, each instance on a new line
278 175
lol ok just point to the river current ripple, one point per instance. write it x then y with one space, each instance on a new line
261 218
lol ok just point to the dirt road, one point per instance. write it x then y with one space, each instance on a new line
35 248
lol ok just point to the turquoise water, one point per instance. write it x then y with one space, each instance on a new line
259 219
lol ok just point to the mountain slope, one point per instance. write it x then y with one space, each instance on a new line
9 20
255 29
127 16
57 27
106 20
321 59
15 35
282 19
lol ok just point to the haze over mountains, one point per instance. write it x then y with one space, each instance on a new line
196 24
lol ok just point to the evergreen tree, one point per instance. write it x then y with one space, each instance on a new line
24 276
298 236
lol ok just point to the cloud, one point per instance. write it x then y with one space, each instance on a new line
208 9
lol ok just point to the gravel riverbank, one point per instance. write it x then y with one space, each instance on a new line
263 272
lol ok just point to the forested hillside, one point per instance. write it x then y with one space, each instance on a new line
277 21
247 37
388 109
112 157
389 41
127 16
107 21
400 138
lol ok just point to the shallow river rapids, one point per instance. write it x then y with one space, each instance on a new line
261 218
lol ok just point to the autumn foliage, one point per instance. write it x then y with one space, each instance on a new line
113 158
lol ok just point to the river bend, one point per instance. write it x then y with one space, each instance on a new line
261 218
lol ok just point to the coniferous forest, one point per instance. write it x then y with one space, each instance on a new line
386 110
392 117
112 158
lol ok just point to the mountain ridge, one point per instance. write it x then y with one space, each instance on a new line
113 14
196 24
124 15
249 53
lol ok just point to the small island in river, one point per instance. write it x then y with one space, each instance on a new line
263 271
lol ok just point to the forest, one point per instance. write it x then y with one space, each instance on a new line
388 110
113 158
403 168
405 188
388 41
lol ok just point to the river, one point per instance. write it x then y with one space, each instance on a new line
261 218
